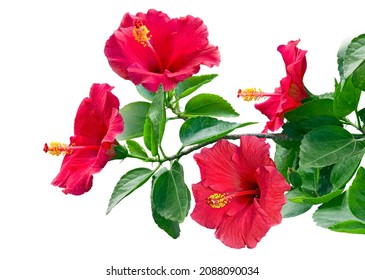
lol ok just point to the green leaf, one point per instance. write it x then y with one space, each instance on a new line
292 209
154 126
205 129
357 195
316 181
136 149
285 159
336 215
311 109
328 145
149 95
343 171
296 130
134 115
295 133
316 187
207 104
127 184
149 137
354 55
191 84
349 227
346 98
170 195
358 77
333 212
172 228
306 198
294 178
340 57
319 121
312 114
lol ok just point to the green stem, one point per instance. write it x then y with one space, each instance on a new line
359 127
182 153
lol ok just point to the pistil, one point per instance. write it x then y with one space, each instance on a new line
57 148
250 94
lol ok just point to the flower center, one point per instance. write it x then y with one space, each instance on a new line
57 148
140 34
250 94
219 200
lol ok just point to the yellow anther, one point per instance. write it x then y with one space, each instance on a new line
250 94
140 33
57 148
218 200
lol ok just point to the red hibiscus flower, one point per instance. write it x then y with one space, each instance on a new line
97 123
153 49
241 192
291 91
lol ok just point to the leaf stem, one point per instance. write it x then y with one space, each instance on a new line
147 159
346 121
162 152
174 106
359 127
173 118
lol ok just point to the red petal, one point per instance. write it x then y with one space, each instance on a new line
76 172
94 113
295 63
217 169
246 228
191 43
252 153
272 187
203 214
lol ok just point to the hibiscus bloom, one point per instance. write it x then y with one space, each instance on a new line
290 93
97 123
153 49
241 192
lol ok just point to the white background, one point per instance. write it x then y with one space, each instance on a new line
51 53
